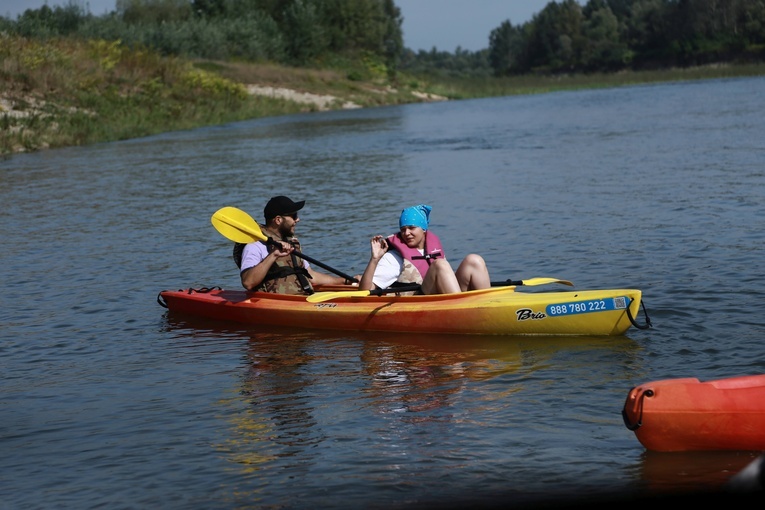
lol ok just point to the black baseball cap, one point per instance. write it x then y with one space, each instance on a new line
281 205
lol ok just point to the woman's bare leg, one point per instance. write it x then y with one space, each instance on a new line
440 279
472 273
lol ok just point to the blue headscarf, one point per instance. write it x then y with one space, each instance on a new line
416 216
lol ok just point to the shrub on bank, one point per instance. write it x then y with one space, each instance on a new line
65 91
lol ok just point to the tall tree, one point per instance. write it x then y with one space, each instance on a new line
648 32
505 46
393 36
306 36
154 11
209 8
603 48
752 21
555 40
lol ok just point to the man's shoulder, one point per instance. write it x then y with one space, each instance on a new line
256 248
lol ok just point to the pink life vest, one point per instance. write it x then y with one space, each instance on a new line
433 250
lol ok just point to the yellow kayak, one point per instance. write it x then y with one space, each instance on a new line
493 311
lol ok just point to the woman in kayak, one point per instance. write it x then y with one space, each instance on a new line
415 255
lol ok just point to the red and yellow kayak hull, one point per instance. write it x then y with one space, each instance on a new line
494 311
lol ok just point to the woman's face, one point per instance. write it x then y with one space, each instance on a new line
414 237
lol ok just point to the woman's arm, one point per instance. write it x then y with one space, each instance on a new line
378 248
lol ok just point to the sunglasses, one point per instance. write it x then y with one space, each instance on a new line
294 215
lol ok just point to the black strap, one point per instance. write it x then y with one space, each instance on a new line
238 251
301 273
283 272
427 257
396 285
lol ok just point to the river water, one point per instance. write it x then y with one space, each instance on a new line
109 401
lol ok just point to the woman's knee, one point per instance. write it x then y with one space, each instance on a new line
441 265
440 279
474 260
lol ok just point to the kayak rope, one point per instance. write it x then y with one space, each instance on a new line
203 290
647 318
634 426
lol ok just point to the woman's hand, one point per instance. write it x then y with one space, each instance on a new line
379 246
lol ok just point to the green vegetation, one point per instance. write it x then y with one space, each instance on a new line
291 32
613 35
70 78
467 88
66 91
70 92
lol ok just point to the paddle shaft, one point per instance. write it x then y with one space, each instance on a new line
506 283
531 282
320 297
392 290
314 261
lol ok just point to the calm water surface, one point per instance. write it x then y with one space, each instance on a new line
109 401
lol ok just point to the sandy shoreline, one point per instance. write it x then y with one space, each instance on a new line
13 109
322 102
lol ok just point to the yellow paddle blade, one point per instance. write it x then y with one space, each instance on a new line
543 281
320 297
237 225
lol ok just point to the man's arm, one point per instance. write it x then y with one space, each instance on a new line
318 278
254 275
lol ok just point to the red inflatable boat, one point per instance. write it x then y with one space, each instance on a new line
686 414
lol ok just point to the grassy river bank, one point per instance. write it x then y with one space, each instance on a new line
71 92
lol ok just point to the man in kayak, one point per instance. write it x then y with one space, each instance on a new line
415 255
278 269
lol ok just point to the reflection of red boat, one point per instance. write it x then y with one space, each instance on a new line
686 414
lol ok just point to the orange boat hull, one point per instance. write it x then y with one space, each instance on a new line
674 415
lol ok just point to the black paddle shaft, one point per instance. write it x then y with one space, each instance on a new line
507 283
314 261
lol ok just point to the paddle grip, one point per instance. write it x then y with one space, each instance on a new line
507 283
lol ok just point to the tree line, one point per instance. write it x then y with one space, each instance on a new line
611 35
293 32
565 37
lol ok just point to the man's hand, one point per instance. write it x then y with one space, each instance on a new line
282 249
